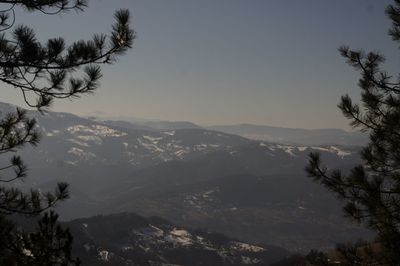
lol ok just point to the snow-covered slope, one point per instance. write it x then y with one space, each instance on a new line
135 240
75 141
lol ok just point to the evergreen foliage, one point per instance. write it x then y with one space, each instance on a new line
371 191
47 245
42 72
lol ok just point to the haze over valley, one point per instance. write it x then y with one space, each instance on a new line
199 132
252 190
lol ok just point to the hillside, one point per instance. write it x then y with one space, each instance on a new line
252 190
129 239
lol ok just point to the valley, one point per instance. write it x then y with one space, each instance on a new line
252 190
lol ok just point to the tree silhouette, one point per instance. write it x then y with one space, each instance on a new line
42 72
371 191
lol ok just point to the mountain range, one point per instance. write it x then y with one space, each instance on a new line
295 135
298 136
252 190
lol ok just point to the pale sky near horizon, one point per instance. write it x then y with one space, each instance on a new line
213 62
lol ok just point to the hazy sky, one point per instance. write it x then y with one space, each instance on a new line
272 62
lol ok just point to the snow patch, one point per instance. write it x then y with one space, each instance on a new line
339 152
320 149
149 232
247 247
150 146
180 236
233 152
153 139
247 260
81 153
332 149
208 193
27 252
95 139
181 153
52 133
80 143
170 133
200 147
287 149
104 255
97 130
157 231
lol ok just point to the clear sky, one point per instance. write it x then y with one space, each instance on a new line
271 62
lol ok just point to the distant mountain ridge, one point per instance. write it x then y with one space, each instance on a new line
294 135
298 136
156 124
